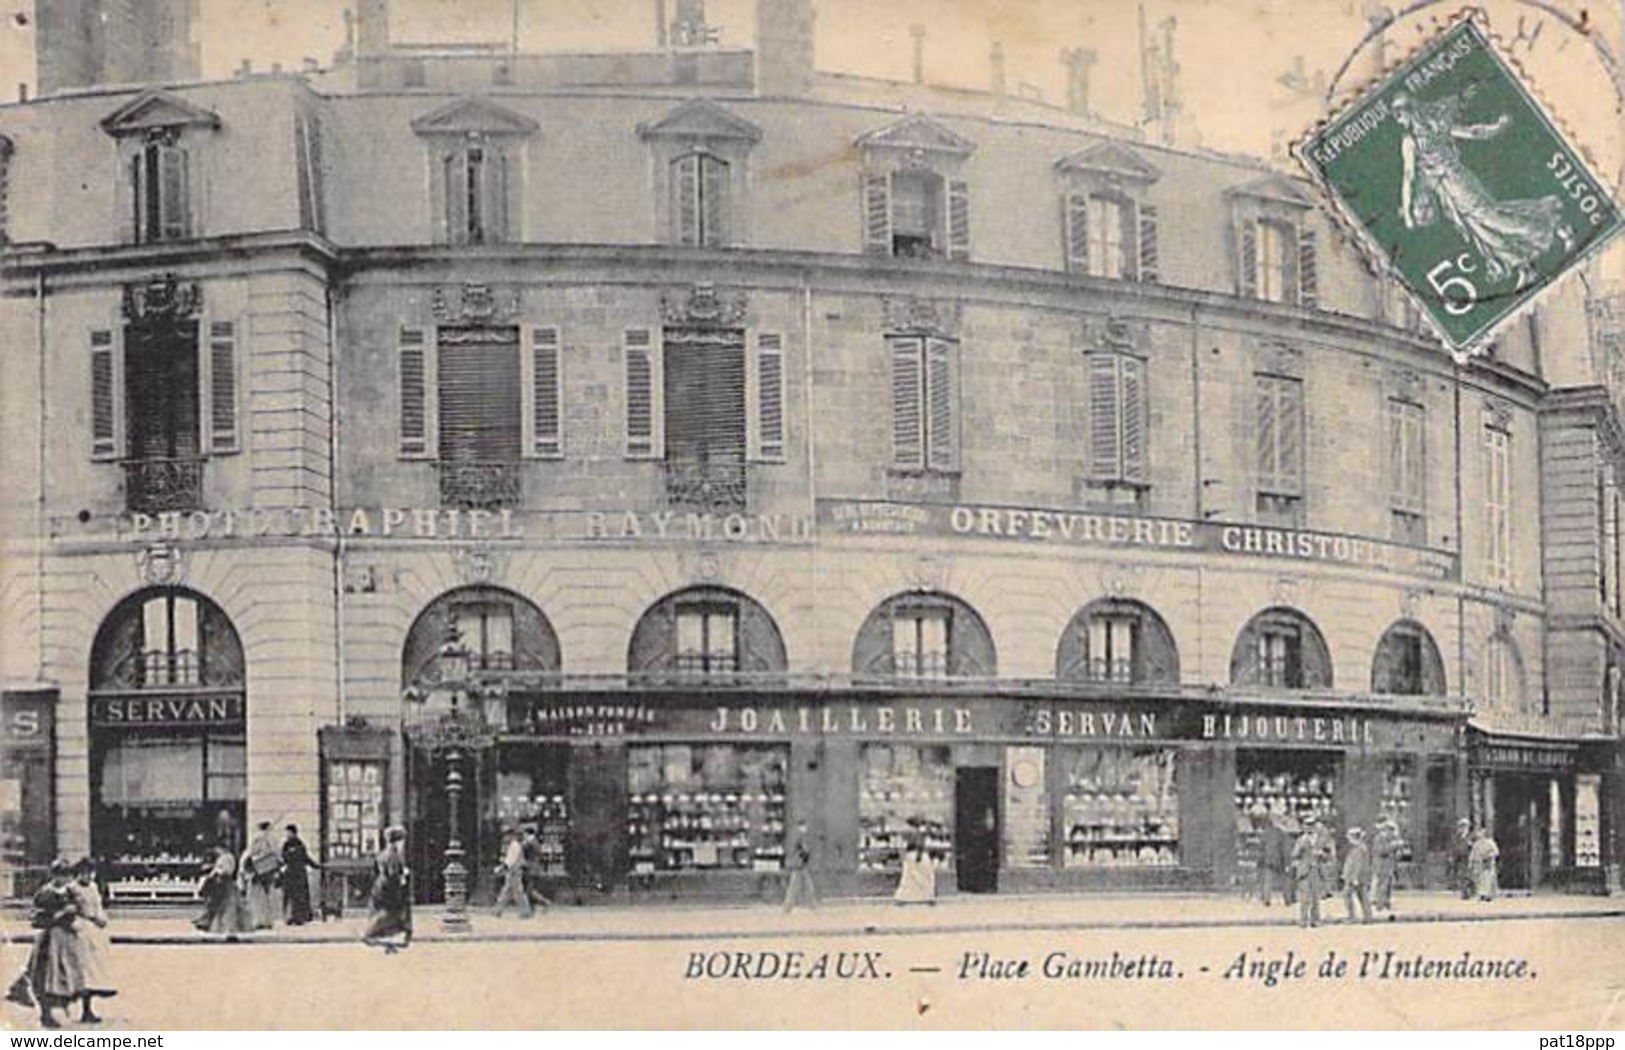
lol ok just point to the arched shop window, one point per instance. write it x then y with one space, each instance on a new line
1116 640
1281 648
924 634
500 631
1407 662
168 742
706 631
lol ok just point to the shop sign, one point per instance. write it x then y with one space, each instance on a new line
123 711
26 721
848 720
1069 528
1522 756
606 719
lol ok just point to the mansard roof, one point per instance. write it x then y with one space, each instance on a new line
917 132
1275 188
700 118
154 109
1109 158
474 114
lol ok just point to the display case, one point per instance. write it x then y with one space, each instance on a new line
706 808
906 796
1026 820
1121 808
1398 801
1588 820
1284 784
533 794
355 801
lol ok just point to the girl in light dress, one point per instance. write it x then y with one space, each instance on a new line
918 882
95 949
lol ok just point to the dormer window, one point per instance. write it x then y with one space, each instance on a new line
1276 242
700 154
914 204
1111 230
5 190
476 170
158 135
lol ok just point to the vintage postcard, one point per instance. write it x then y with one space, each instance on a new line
775 514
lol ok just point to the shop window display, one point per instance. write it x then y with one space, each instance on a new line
1398 797
1026 808
533 795
906 795
706 807
1121 808
1587 822
355 809
1278 784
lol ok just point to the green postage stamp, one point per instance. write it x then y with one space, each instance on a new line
1453 177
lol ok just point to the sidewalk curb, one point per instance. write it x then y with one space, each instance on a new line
864 930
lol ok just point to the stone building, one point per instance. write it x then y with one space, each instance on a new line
740 448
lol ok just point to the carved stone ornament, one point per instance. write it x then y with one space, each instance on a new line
360 579
704 306
162 298
704 566
1410 603
1114 335
161 565
1120 581
1284 591
927 573
1281 359
474 303
1498 413
907 313
479 563
1405 384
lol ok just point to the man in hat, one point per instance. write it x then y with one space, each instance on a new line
1272 856
55 969
512 873
1357 875
1306 873
1385 848
1460 847
296 868
391 895
262 864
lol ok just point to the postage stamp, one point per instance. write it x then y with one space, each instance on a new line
1458 183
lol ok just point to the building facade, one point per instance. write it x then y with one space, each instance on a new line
737 457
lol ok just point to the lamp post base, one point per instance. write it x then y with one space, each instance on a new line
455 917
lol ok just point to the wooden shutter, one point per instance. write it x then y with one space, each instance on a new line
1291 448
138 196
416 364
1247 262
907 396
1132 403
174 183
642 383
958 219
704 379
218 374
1075 215
713 202
942 395
544 401
877 213
1308 269
770 396
1150 262
685 199
496 195
1105 410
454 180
1406 456
1267 431
481 395
104 395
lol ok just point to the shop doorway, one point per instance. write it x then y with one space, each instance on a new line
1522 830
976 828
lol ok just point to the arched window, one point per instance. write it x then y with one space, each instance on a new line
1113 640
1407 662
166 638
703 631
1503 675
500 630
924 635
1281 648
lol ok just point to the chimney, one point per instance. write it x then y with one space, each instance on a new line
1078 61
371 28
995 59
784 47
917 31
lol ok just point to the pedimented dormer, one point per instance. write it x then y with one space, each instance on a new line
161 139
1276 241
1110 226
1272 189
156 110
476 157
914 202
474 115
918 133
699 155
1110 163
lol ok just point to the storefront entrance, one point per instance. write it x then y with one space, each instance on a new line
1525 808
976 828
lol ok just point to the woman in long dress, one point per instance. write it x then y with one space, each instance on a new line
391 896
1482 862
54 970
918 882
222 903
90 933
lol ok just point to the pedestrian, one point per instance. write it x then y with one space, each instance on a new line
223 910
262 865
54 970
391 896
1460 848
1386 845
918 882
799 891
297 869
1273 851
512 873
1326 850
1482 863
95 949
534 872
1357 875
1306 874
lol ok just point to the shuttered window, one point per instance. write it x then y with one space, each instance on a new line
1279 429
1117 418
308 156
1076 216
958 219
1150 260
161 183
642 373
162 391
1308 291
699 203
876 201
220 363
5 190
1407 470
415 356
770 396
1108 238
543 385
925 403
478 373
1497 504
477 185
704 397
1276 263
104 384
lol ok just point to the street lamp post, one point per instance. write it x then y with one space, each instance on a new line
455 917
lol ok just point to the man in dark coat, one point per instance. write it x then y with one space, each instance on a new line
1460 847
1272 859
296 868
391 896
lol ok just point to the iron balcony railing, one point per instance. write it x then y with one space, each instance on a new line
705 486
469 485
154 485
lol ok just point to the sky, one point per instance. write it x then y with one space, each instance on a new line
1241 61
